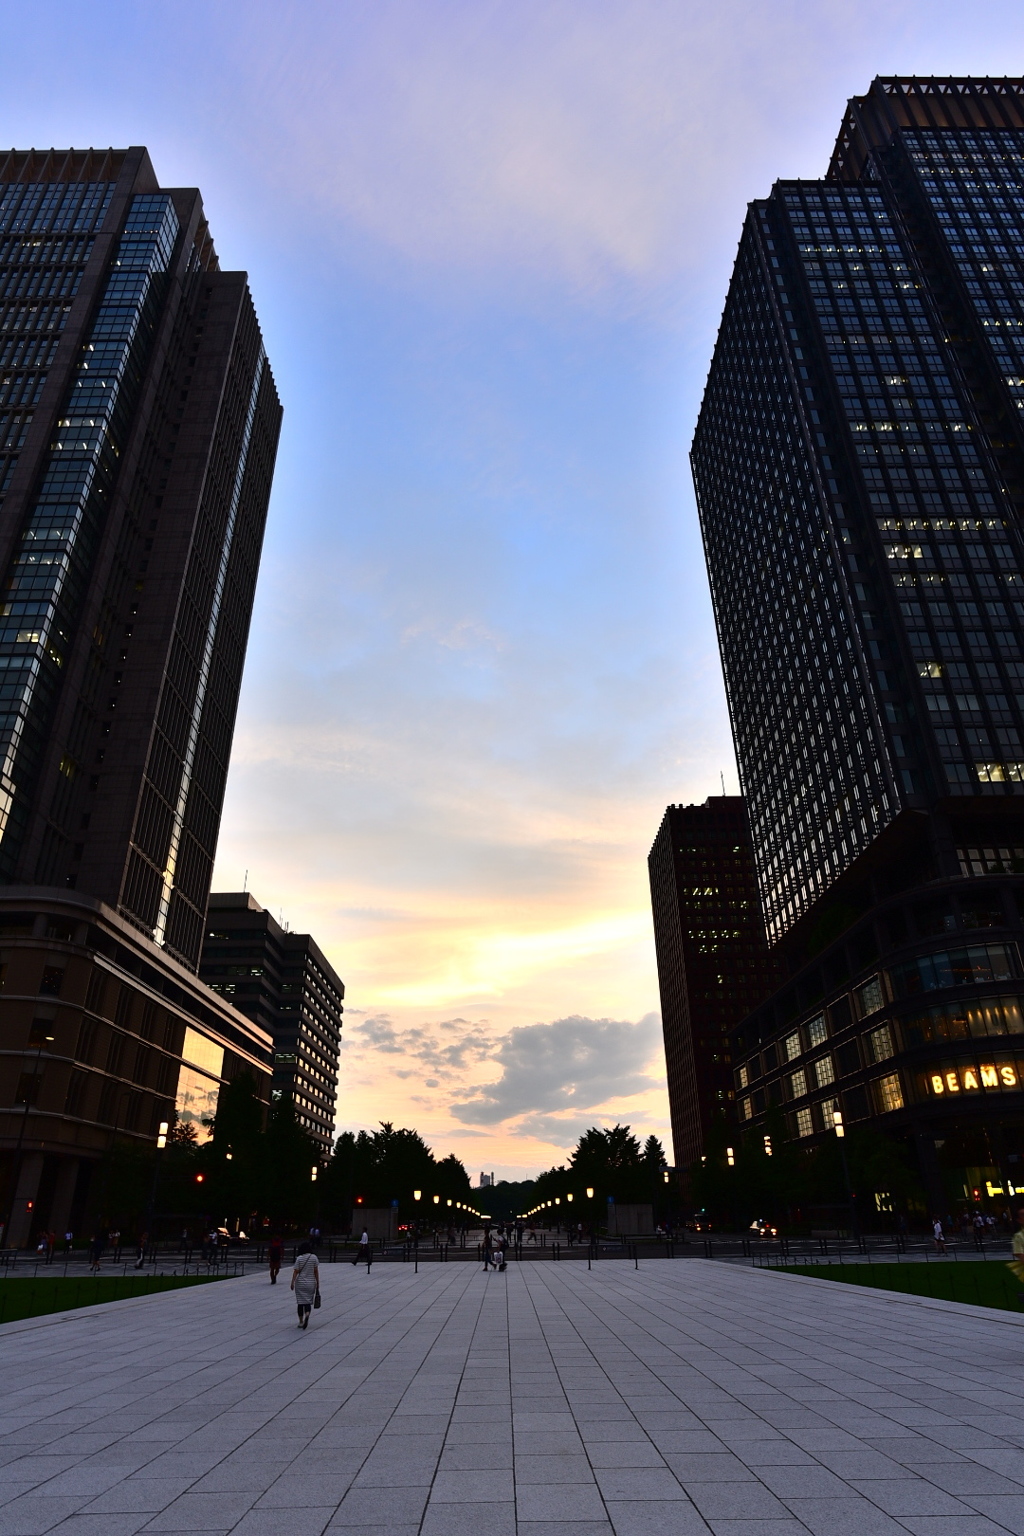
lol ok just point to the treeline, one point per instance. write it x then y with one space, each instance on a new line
615 1167
386 1168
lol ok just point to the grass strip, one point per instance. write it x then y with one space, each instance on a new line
981 1285
21 1298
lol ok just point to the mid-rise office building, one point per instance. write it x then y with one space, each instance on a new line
713 964
859 465
284 983
138 431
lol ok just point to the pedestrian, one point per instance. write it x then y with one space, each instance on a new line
305 1282
1017 1248
275 1257
96 1248
69 1238
499 1253
363 1251
140 1250
488 1247
938 1234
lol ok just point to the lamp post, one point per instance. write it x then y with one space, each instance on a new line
837 1121
161 1143
29 1096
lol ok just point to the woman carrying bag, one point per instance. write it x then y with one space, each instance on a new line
306 1282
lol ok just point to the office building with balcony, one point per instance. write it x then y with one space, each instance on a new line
138 431
284 983
713 963
859 466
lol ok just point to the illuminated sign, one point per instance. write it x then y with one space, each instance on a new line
968 1079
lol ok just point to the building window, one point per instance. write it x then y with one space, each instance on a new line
888 1093
824 1072
954 968
870 996
804 1122
53 980
880 1041
791 1046
797 1084
816 1031
745 1108
742 1077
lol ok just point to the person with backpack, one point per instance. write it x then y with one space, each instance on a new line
306 1282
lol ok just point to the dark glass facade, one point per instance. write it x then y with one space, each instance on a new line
283 982
713 962
859 465
138 430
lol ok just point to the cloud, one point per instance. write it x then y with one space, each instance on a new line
572 1063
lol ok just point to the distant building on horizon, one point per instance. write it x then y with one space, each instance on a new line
138 431
712 957
286 985
859 468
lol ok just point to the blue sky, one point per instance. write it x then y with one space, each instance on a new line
489 244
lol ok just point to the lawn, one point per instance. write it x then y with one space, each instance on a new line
21 1298
988 1284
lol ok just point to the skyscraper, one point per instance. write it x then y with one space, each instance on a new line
138 430
712 957
285 984
859 465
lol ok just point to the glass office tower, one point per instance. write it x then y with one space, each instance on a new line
859 465
138 430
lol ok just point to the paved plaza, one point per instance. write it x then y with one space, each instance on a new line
682 1398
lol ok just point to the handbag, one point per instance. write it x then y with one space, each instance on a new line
316 1299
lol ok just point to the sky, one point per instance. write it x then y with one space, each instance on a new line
488 242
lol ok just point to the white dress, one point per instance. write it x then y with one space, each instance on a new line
305 1279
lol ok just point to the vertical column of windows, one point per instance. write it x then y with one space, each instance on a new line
798 698
45 242
46 579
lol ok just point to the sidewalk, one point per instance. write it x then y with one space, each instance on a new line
670 1401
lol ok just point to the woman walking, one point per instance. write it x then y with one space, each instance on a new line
305 1281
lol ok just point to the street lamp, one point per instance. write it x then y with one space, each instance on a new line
730 1157
437 1199
312 1174
837 1121
29 1095
417 1193
568 1197
161 1143
590 1193
767 1146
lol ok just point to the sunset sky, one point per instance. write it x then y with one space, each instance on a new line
488 241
